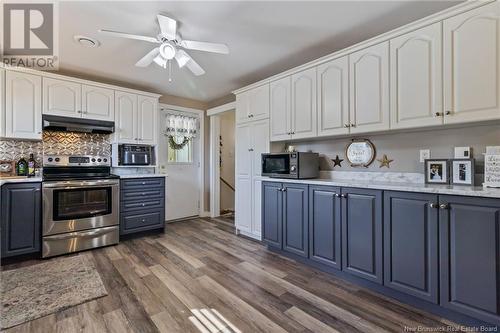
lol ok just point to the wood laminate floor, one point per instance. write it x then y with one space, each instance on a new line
154 281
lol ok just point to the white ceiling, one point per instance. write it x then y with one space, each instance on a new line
264 38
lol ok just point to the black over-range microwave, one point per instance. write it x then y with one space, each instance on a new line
296 165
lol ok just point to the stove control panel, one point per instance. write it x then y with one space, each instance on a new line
76 160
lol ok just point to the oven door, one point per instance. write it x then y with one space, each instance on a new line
276 165
70 206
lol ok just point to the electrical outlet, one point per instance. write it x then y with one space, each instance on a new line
425 154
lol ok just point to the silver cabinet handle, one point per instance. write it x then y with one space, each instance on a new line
78 111
447 113
347 125
353 125
344 196
433 205
444 206
438 114
337 195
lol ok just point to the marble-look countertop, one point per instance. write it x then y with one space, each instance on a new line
144 175
20 180
472 191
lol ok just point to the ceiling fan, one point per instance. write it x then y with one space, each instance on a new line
171 46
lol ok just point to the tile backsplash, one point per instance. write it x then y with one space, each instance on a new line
63 143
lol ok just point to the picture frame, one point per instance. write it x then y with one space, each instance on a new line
437 171
360 153
462 171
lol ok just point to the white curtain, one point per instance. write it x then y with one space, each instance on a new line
181 126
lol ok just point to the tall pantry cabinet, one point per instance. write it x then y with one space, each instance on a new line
252 139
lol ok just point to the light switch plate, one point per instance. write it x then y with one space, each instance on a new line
425 154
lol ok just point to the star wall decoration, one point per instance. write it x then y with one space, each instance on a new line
385 161
337 161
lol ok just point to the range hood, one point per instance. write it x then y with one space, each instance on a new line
67 124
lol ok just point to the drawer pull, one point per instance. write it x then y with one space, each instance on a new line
143 204
433 205
143 183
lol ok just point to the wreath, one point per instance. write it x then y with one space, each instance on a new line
177 146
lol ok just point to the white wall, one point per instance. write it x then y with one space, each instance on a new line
227 127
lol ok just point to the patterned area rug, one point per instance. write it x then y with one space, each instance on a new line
32 292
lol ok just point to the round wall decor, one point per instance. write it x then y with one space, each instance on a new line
360 153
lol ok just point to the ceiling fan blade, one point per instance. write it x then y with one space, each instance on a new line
205 46
129 36
160 61
148 58
182 58
194 67
168 27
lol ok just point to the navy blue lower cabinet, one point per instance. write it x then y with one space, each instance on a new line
325 225
21 218
142 204
470 256
362 233
295 218
411 244
272 215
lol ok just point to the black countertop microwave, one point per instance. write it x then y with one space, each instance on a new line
295 165
139 155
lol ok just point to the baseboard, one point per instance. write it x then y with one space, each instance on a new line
249 235
205 214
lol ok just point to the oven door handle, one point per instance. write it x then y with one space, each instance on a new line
91 233
84 184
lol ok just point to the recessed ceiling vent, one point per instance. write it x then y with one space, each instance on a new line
86 41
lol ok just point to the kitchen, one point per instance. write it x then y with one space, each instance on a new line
367 189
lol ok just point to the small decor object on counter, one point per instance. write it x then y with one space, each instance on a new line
436 171
31 166
462 171
291 149
385 161
463 152
7 168
22 167
492 167
337 161
360 153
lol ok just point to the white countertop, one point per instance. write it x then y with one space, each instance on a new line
144 175
473 191
20 180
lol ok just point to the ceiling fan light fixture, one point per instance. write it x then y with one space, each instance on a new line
167 51
160 61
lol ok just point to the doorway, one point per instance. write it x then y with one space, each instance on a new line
181 160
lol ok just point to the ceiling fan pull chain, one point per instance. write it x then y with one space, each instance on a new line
170 71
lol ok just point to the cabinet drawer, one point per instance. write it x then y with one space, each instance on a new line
143 194
141 221
135 183
143 204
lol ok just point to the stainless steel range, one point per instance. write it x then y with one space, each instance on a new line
80 204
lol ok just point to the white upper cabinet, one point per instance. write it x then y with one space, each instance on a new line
147 109
416 78
98 103
253 104
23 100
260 144
472 65
304 111
333 97
369 89
62 98
125 117
2 102
280 96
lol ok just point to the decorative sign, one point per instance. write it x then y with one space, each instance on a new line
360 153
491 170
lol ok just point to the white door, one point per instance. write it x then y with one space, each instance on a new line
62 98
23 114
259 132
472 65
243 145
416 78
304 104
125 117
258 103
369 89
98 103
147 109
183 170
280 109
333 97
242 105
243 204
